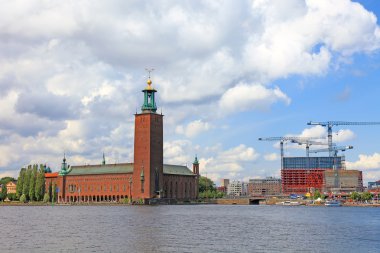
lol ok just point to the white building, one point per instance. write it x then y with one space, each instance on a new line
237 188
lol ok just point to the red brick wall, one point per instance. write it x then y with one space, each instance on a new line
180 187
104 187
148 154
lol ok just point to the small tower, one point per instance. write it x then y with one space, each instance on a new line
64 168
196 166
149 104
104 160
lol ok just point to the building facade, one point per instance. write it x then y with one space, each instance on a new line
304 174
347 181
266 186
237 188
145 179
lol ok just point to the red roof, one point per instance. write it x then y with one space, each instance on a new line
50 175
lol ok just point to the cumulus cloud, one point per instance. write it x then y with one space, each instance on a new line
369 164
271 157
70 79
193 128
245 97
229 163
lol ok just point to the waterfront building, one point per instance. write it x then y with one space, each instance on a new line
266 186
374 186
11 187
225 182
237 188
343 181
302 174
146 179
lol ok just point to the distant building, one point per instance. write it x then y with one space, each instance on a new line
237 188
11 187
338 181
374 186
301 174
225 182
267 186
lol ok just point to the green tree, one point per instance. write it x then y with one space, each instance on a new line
25 188
206 184
355 196
317 194
54 193
23 198
6 180
11 196
3 193
46 198
366 196
32 183
40 183
20 182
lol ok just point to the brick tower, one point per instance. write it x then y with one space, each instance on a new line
148 149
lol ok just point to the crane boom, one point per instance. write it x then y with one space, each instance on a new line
330 124
283 139
335 149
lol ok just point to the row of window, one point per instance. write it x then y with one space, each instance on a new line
75 188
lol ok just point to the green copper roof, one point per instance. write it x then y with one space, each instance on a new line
177 170
149 104
196 160
102 169
124 168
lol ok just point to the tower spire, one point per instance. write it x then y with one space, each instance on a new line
149 105
104 160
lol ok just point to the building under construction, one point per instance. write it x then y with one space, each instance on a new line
326 174
304 174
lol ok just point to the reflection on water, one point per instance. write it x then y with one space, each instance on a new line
192 228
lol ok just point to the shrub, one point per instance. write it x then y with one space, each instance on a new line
46 198
23 198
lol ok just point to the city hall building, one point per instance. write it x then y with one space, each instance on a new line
147 178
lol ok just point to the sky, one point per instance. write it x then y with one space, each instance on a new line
226 72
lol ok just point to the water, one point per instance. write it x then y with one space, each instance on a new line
189 228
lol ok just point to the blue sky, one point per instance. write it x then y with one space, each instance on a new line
226 72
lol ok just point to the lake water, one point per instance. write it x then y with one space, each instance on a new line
189 228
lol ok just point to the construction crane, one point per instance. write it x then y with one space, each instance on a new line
330 124
334 149
308 143
286 138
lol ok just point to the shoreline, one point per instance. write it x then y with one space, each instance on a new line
191 203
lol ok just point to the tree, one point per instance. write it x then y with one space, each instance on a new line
206 184
11 196
20 182
6 180
366 196
46 198
317 194
355 196
40 183
54 193
3 193
23 198
25 188
32 182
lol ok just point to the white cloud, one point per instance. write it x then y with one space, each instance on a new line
369 164
212 58
271 157
245 97
193 128
365 162
229 163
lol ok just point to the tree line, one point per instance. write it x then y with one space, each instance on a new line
31 183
